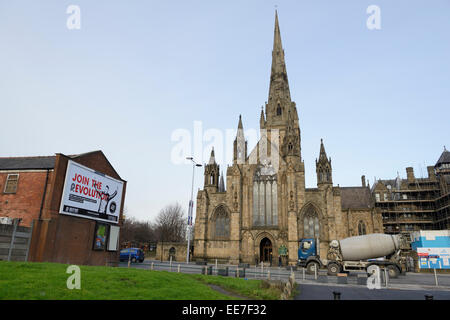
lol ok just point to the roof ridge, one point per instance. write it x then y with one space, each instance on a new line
26 157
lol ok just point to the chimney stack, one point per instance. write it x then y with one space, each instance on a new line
410 174
363 181
431 174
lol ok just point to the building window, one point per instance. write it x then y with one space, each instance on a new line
265 197
11 183
361 228
279 110
385 197
377 197
221 223
311 227
405 197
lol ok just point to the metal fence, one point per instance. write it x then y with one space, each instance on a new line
277 273
15 241
256 272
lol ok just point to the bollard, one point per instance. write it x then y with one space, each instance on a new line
237 272
152 265
337 295
435 277
206 270
178 268
386 277
428 297
303 273
268 275
315 271
216 264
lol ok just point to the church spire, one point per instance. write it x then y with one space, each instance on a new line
323 153
262 120
239 145
221 183
240 123
212 158
279 102
277 36
323 167
279 86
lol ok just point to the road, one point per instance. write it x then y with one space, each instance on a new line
325 292
411 286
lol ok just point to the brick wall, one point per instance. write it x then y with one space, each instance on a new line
26 202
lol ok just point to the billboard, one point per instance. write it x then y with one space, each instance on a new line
434 258
91 194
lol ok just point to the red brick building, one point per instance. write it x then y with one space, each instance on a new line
31 188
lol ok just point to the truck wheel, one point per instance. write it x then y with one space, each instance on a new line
311 266
333 268
393 271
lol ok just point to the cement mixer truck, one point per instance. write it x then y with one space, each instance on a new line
355 253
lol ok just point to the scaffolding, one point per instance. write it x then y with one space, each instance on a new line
409 205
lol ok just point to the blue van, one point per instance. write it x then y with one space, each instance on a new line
135 254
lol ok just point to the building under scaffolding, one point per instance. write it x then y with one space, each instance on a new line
414 204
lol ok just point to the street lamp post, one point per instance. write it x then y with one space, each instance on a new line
191 206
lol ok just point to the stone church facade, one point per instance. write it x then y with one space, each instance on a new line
266 206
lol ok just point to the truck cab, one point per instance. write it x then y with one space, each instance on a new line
308 254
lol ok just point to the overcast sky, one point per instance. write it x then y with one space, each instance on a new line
138 71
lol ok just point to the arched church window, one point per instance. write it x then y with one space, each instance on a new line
311 227
290 147
278 110
221 224
361 228
265 197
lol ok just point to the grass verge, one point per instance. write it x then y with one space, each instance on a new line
48 281
253 289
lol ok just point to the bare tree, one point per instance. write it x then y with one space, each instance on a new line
137 232
171 223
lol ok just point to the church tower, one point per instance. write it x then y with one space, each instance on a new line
212 174
323 167
266 207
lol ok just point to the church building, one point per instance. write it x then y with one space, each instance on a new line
266 208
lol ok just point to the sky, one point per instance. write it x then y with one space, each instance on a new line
137 74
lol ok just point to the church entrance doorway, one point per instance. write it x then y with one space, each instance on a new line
265 250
